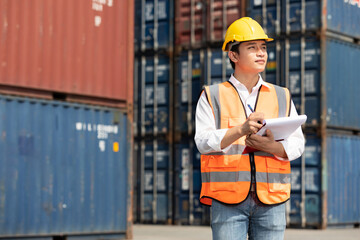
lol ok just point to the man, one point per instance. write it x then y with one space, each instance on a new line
245 177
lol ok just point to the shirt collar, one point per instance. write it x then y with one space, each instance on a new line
238 84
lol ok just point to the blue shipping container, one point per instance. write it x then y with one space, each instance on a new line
188 209
290 20
342 84
64 168
162 155
147 36
152 198
151 103
336 177
341 17
343 179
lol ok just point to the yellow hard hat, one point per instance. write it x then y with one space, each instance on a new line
244 29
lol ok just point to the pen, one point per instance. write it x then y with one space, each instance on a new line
252 110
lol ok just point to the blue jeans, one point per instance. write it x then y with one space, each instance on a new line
261 222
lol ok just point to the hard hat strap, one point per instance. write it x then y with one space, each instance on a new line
232 44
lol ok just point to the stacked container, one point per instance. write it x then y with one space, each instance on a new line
199 30
317 44
66 119
153 112
314 54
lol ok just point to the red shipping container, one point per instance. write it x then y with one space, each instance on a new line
76 50
220 12
190 22
199 22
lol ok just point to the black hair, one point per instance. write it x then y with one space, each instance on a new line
234 48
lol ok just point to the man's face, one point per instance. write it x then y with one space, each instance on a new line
252 56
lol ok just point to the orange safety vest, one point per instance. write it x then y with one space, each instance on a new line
226 177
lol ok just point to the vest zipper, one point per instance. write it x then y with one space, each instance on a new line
253 169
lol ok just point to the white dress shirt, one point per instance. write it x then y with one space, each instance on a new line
208 138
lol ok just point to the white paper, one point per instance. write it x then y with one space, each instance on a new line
282 127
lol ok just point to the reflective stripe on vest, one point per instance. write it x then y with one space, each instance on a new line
226 176
243 176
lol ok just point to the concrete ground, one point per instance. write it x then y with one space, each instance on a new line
170 232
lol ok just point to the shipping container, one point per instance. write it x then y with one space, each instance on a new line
324 182
343 178
152 95
312 55
342 17
153 168
209 66
305 202
299 16
188 209
153 24
220 14
71 50
311 67
65 169
190 23
340 83
327 77
200 22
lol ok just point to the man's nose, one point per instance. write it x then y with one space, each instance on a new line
260 52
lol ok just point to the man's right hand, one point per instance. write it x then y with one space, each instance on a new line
252 124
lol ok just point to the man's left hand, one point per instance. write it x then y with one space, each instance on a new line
262 143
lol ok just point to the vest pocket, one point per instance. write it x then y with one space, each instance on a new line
278 175
223 174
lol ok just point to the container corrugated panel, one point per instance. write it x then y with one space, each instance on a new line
64 170
342 63
199 22
343 179
154 202
291 20
190 22
343 17
153 86
307 195
218 67
290 16
339 61
292 68
272 18
81 47
220 14
209 66
188 87
188 209
153 29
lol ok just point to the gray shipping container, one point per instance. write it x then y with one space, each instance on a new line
64 170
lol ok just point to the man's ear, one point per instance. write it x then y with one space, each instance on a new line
232 56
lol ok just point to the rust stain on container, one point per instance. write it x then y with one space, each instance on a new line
79 48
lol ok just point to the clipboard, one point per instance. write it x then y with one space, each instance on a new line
282 127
